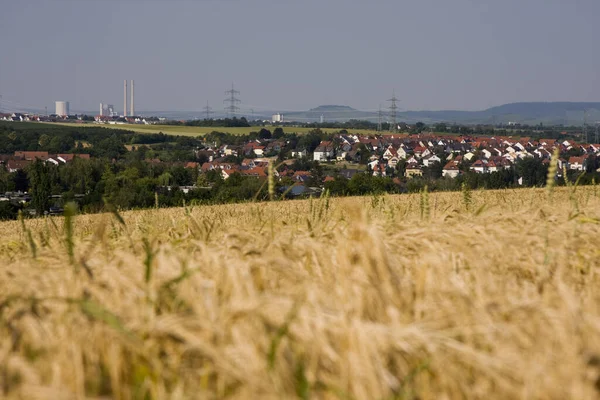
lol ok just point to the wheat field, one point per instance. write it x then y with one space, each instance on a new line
472 295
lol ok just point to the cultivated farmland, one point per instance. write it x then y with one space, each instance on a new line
483 295
182 130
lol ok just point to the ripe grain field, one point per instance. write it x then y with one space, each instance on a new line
479 295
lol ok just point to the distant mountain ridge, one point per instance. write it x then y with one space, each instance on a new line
533 113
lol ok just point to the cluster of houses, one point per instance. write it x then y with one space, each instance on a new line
21 159
117 120
21 117
481 154
99 119
382 154
16 197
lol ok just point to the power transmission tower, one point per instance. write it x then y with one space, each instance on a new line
232 108
208 110
585 135
597 126
379 118
393 108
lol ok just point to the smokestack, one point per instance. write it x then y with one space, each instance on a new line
132 109
125 98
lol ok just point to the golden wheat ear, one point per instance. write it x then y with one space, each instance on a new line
468 294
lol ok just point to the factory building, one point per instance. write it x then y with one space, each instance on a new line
107 110
62 108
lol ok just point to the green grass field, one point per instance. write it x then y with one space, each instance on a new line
201 130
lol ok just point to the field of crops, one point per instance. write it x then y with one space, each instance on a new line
483 295
202 130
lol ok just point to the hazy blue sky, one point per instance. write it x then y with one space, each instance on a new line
290 55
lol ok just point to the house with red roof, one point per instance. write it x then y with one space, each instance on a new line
451 170
413 169
16 165
389 153
256 172
479 166
379 170
578 163
301 176
324 151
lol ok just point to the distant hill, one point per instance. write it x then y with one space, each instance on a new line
532 113
330 113
568 113
329 108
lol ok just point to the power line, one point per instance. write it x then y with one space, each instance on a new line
379 118
232 108
280 109
393 108
208 110
585 133
14 106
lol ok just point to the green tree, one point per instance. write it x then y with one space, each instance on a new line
8 210
433 171
39 179
165 179
337 187
264 134
532 170
44 141
181 176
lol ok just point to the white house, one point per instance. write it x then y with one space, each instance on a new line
401 152
379 170
450 170
519 146
392 162
324 151
341 156
430 160
480 167
577 163
299 153
389 153
492 166
469 155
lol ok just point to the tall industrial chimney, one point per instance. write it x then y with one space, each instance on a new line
132 109
125 98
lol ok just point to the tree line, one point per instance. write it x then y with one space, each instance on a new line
151 172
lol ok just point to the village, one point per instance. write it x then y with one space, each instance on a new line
399 156
143 165
387 152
